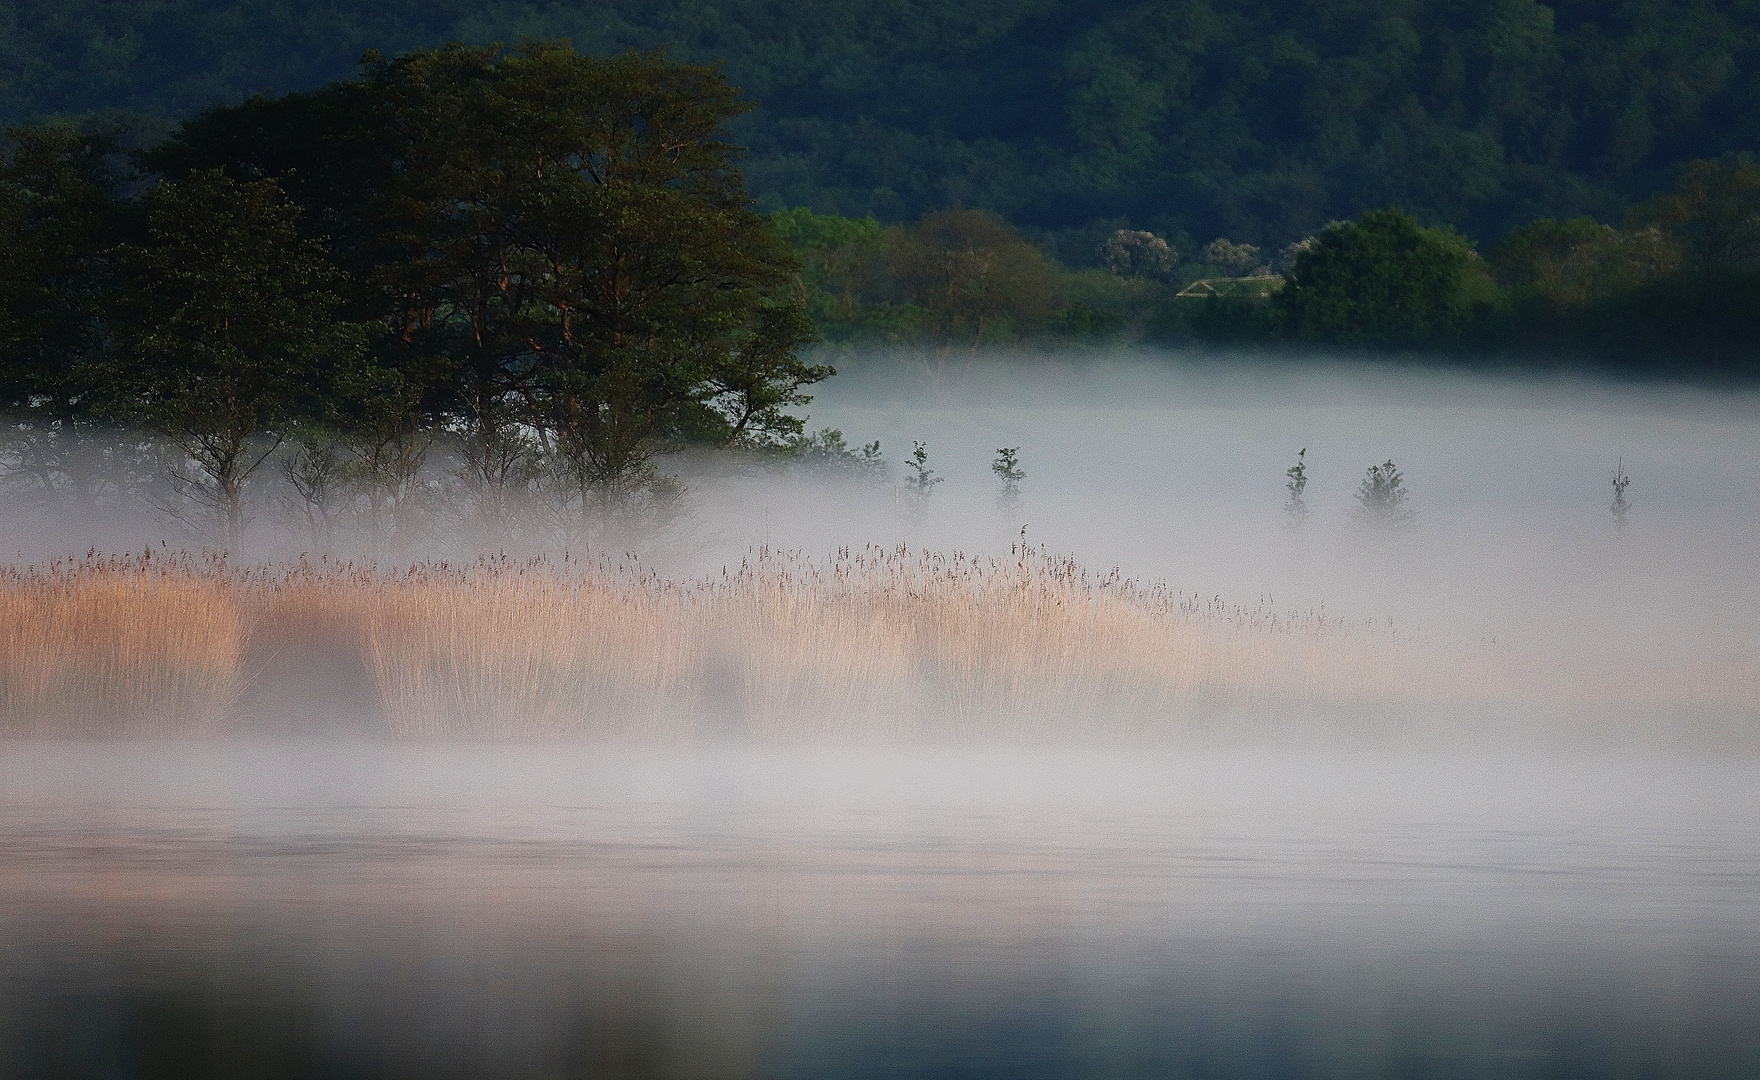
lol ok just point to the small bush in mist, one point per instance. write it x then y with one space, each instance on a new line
1007 468
922 479
1620 506
826 451
1296 506
1382 499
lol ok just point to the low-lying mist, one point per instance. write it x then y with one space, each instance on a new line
1176 472
803 599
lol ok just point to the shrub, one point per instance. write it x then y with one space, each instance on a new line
1384 281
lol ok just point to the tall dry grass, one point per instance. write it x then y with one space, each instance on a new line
117 646
877 644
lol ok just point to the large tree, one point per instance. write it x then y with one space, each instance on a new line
1383 281
563 242
1712 215
233 331
60 218
973 275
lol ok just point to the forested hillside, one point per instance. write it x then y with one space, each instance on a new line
1259 120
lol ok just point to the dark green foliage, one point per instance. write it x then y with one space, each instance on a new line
1384 281
954 279
60 218
564 242
552 255
808 231
1674 292
826 451
1255 119
971 275
841 266
1562 264
1080 320
59 215
1382 499
1713 215
1685 326
1233 319
232 333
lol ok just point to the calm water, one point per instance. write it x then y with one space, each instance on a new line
372 911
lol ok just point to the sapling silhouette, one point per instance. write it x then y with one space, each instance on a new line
922 479
1297 506
1620 506
920 483
826 451
1382 499
1007 468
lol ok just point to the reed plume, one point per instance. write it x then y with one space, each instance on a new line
117 646
869 645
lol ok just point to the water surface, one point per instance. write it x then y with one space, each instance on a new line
366 910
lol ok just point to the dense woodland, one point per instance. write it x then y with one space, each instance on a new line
1259 120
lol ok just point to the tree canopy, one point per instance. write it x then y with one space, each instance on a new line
1259 120
1383 280
549 255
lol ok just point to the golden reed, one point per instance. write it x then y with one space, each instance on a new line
877 644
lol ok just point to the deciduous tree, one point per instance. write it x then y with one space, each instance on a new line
1383 281
972 274
60 219
233 331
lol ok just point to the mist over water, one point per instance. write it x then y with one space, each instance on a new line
1581 905
1171 469
1174 471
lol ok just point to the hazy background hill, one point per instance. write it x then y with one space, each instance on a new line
1255 119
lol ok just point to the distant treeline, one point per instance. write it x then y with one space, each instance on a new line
1260 120
1674 289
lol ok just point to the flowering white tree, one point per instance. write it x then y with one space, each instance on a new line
1235 260
1136 253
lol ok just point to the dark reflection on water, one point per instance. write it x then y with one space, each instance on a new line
369 911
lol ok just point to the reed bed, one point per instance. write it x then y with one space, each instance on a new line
117 646
870 645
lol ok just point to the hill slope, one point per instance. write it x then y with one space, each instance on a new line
1255 119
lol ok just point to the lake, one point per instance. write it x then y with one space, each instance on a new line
368 909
